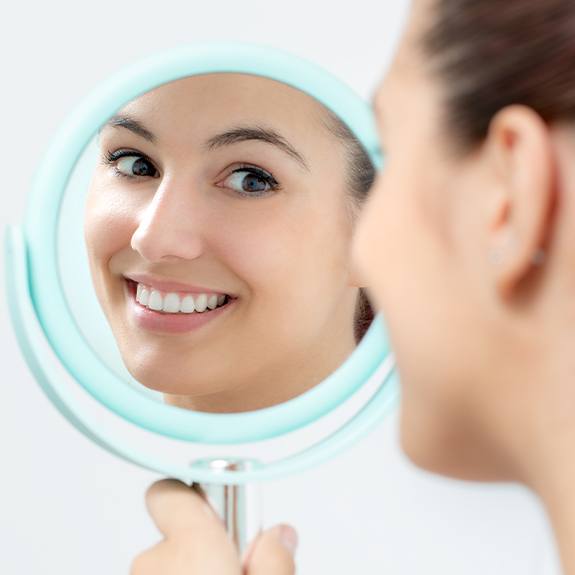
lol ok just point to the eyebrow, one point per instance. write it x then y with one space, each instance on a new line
259 133
130 123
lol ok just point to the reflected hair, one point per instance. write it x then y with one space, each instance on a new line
360 176
491 54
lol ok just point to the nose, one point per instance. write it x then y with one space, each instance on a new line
170 225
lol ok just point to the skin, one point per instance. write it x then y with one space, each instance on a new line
188 223
194 540
481 324
482 328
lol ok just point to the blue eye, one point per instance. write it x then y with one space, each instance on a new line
251 181
130 164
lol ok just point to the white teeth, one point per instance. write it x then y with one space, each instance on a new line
174 303
187 305
171 303
201 302
155 301
144 296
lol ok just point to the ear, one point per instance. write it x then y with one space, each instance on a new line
520 156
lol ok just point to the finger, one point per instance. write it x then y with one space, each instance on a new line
195 538
273 552
174 557
177 509
151 561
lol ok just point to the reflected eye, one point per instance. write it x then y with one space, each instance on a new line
250 181
130 164
136 166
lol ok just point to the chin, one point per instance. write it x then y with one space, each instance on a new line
153 374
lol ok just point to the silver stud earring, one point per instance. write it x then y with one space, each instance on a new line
498 253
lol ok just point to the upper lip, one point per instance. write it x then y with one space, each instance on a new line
167 285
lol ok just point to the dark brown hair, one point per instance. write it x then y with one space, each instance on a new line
490 54
360 177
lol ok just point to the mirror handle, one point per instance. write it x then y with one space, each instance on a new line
238 506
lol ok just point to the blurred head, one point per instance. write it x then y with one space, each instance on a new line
467 240
218 228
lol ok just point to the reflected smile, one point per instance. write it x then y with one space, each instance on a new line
173 302
171 312
176 302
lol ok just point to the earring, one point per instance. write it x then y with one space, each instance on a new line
498 252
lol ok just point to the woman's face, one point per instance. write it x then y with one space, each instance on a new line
420 248
233 187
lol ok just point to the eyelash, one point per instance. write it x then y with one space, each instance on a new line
266 176
110 158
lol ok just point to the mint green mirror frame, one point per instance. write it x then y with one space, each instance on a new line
37 301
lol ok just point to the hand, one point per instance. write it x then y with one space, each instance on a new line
196 543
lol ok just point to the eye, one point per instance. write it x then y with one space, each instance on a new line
130 164
136 166
250 181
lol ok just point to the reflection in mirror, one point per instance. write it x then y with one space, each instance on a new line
217 225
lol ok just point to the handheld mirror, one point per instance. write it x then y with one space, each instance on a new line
185 259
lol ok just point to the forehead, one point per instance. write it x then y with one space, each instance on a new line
226 95
406 70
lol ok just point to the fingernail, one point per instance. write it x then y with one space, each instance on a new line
288 538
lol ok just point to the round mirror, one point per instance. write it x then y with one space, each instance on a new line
189 245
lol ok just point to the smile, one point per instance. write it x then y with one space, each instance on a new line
177 303
175 312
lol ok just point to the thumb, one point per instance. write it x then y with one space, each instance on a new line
272 552
195 537
177 509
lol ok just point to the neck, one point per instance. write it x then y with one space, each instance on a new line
531 425
543 443
552 477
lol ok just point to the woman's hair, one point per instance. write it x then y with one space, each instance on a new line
360 177
490 54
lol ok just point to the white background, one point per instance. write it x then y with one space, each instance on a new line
66 506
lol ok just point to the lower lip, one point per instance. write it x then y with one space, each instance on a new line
171 322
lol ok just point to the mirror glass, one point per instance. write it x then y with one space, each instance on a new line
206 252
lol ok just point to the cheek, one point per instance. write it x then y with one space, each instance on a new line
381 235
404 244
285 241
397 249
267 256
294 262
109 224
416 281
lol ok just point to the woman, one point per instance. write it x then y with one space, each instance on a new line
218 228
468 242
478 296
